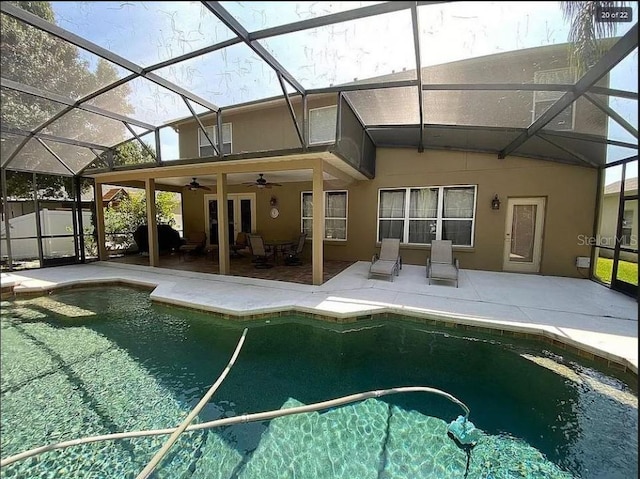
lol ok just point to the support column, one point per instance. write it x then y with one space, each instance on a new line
78 200
318 224
36 208
223 224
7 226
152 225
99 226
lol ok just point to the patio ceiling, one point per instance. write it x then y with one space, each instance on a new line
143 65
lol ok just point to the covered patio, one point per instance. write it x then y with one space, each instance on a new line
319 169
239 266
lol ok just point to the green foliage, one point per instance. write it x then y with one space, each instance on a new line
586 33
132 153
20 185
36 58
122 220
33 57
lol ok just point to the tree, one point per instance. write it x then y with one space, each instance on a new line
586 32
132 153
35 58
122 220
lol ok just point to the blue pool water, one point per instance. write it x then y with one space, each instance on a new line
85 362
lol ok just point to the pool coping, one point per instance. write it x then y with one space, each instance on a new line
444 320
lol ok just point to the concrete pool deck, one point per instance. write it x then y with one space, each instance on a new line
580 314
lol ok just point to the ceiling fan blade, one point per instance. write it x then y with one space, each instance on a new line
204 187
274 184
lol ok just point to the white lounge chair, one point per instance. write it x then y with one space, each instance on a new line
441 265
389 262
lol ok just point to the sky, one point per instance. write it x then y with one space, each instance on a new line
150 32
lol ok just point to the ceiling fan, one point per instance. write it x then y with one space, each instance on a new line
261 182
194 185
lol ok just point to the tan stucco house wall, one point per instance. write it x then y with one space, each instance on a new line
569 191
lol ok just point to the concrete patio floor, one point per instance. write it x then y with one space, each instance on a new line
575 312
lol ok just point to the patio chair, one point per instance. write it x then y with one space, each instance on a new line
388 262
260 254
292 257
441 265
195 242
241 244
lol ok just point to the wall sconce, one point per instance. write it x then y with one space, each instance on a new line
495 203
273 201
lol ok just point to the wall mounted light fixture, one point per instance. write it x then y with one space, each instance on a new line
495 203
273 201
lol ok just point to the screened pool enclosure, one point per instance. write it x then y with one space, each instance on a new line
95 87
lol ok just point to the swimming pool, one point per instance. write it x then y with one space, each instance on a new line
84 362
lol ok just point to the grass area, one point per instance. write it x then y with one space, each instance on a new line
627 272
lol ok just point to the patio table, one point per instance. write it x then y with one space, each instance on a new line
278 245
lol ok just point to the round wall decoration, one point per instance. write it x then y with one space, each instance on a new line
274 212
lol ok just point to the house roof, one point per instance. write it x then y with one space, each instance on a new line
212 54
630 184
113 193
531 54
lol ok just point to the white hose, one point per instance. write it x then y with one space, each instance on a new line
192 415
260 416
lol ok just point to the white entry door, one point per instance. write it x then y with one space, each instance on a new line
523 235
241 212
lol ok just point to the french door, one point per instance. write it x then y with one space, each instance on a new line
241 211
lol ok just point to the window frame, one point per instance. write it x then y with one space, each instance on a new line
324 142
440 218
555 95
203 142
324 196
627 227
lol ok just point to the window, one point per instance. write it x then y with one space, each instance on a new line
542 100
335 214
205 147
322 124
420 215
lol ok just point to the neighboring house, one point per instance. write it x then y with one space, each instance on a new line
378 184
609 219
113 197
